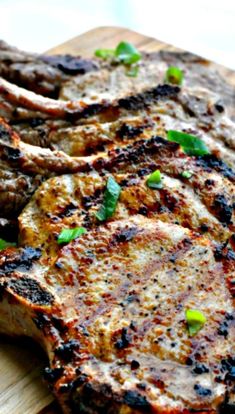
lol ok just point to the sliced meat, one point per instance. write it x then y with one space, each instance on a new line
129 348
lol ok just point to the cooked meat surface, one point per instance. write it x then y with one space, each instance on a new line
42 74
110 306
129 349
111 81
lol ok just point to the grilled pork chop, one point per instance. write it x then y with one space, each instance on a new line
110 312
110 307
41 73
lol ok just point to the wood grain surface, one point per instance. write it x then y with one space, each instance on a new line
22 390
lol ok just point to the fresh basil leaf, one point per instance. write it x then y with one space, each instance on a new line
195 320
174 75
190 144
154 180
105 53
111 196
67 235
4 244
127 53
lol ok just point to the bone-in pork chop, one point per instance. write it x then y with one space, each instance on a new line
110 311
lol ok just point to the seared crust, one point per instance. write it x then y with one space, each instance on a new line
129 349
109 307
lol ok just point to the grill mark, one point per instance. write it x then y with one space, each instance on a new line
123 289
144 99
133 102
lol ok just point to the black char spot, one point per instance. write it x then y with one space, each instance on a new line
124 340
222 209
129 131
202 391
52 374
135 400
71 65
4 133
210 161
30 290
142 100
12 154
126 234
66 350
22 261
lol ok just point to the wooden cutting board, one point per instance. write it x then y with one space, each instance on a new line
21 388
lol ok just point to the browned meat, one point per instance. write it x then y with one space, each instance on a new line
110 312
41 73
177 111
111 82
110 306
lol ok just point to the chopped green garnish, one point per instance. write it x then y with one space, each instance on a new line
195 320
127 53
187 174
154 180
111 196
132 71
174 75
190 144
4 244
105 53
67 235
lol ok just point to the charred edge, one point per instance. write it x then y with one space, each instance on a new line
222 252
211 162
51 375
143 100
101 400
22 261
80 380
70 65
30 290
222 210
228 368
137 401
67 350
42 321
59 324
